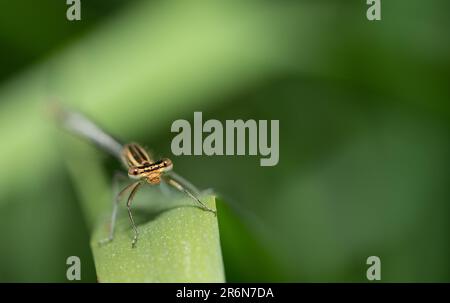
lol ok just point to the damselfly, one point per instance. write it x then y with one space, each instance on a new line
140 165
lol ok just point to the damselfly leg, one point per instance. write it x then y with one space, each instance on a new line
117 197
130 199
133 188
179 186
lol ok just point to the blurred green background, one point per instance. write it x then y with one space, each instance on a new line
364 127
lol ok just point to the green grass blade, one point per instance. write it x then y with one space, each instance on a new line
179 244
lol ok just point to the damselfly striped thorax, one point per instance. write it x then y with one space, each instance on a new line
141 167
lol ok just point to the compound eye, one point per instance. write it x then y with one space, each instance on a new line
133 172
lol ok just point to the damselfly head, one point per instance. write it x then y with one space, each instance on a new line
150 170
